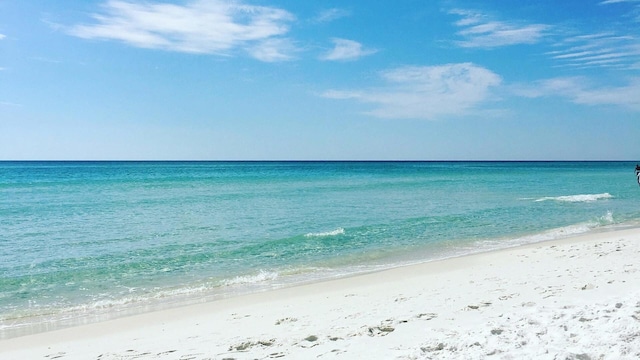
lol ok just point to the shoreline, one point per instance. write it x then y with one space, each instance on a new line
516 301
83 315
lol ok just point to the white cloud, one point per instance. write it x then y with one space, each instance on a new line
331 15
272 50
346 50
617 1
479 31
605 49
579 91
200 26
426 92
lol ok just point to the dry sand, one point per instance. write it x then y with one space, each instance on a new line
576 298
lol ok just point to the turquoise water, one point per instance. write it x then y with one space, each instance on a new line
84 241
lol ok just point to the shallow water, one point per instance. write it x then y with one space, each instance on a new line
81 241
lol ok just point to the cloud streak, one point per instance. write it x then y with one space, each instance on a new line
478 31
606 2
346 50
7 103
201 26
330 15
604 49
634 13
579 91
426 92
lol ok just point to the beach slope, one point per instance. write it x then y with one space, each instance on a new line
576 298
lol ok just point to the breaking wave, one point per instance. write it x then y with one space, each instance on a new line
338 231
578 198
251 279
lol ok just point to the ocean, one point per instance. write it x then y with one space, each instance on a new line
87 241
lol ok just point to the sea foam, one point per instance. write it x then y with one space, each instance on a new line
251 279
577 198
338 231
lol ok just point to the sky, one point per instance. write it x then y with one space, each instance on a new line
320 80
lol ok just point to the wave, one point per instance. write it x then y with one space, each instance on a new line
336 232
251 279
548 235
577 198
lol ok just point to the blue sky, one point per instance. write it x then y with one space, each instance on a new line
328 79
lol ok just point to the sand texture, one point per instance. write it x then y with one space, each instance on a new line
576 298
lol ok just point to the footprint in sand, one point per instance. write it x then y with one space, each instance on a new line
236 316
549 291
384 329
508 296
56 355
380 330
310 341
249 344
286 320
427 316
476 307
587 287
433 348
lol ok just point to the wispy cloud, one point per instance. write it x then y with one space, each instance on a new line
617 1
598 50
345 50
634 13
332 14
200 26
275 49
426 92
45 60
480 31
581 91
7 103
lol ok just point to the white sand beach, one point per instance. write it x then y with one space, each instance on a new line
576 298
